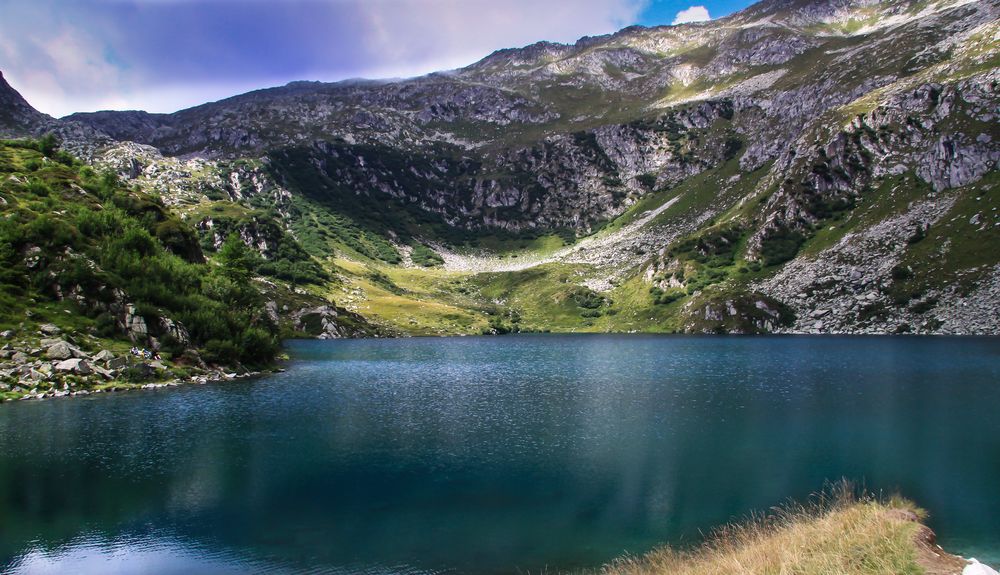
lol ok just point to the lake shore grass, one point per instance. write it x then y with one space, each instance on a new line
837 533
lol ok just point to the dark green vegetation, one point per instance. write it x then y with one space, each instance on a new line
73 240
781 245
280 255
424 256
704 258
971 251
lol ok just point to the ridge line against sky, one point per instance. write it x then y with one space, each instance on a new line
166 55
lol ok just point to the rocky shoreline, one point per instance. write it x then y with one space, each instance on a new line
215 377
55 365
57 368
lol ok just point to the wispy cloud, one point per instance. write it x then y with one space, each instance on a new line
162 55
692 14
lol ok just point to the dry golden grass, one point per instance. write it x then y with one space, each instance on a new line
838 533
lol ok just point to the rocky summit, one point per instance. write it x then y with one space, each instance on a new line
797 167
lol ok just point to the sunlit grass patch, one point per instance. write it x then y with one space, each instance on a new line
837 533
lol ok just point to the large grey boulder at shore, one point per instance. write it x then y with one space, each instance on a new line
104 355
61 350
75 365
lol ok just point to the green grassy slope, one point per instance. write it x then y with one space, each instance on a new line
91 260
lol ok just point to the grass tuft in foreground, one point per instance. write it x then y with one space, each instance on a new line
837 533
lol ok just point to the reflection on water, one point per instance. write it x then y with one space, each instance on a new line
484 455
162 554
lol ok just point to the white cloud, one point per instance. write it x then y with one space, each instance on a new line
56 67
69 58
692 14
417 36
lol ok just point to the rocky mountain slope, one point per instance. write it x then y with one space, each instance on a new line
92 272
803 166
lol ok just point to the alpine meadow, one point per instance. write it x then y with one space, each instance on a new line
734 286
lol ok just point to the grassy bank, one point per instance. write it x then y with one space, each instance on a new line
837 534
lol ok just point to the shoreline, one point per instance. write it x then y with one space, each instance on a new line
117 387
218 375
307 351
885 537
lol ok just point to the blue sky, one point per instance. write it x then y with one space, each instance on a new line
163 55
660 12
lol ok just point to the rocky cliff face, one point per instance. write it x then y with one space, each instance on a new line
780 66
785 129
18 119
16 115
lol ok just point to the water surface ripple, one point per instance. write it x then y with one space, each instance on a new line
493 455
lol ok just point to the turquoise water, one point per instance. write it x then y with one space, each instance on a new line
494 455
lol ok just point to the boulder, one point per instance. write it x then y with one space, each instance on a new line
102 372
175 330
143 370
320 322
7 334
20 357
116 363
75 365
271 307
103 356
49 329
62 350
135 324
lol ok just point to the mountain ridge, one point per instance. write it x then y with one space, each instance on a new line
701 160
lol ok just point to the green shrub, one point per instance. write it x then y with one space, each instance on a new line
919 233
48 145
238 261
780 246
715 248
179 238
668 297
647 181
221 351
48 231
587 298
384 281
924 306
901 273
136 374
38 188
258 346
141 250
424 256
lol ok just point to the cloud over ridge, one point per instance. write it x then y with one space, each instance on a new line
165 55
692 14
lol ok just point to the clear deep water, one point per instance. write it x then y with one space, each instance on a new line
493 455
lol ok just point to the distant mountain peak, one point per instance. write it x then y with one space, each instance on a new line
17 117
